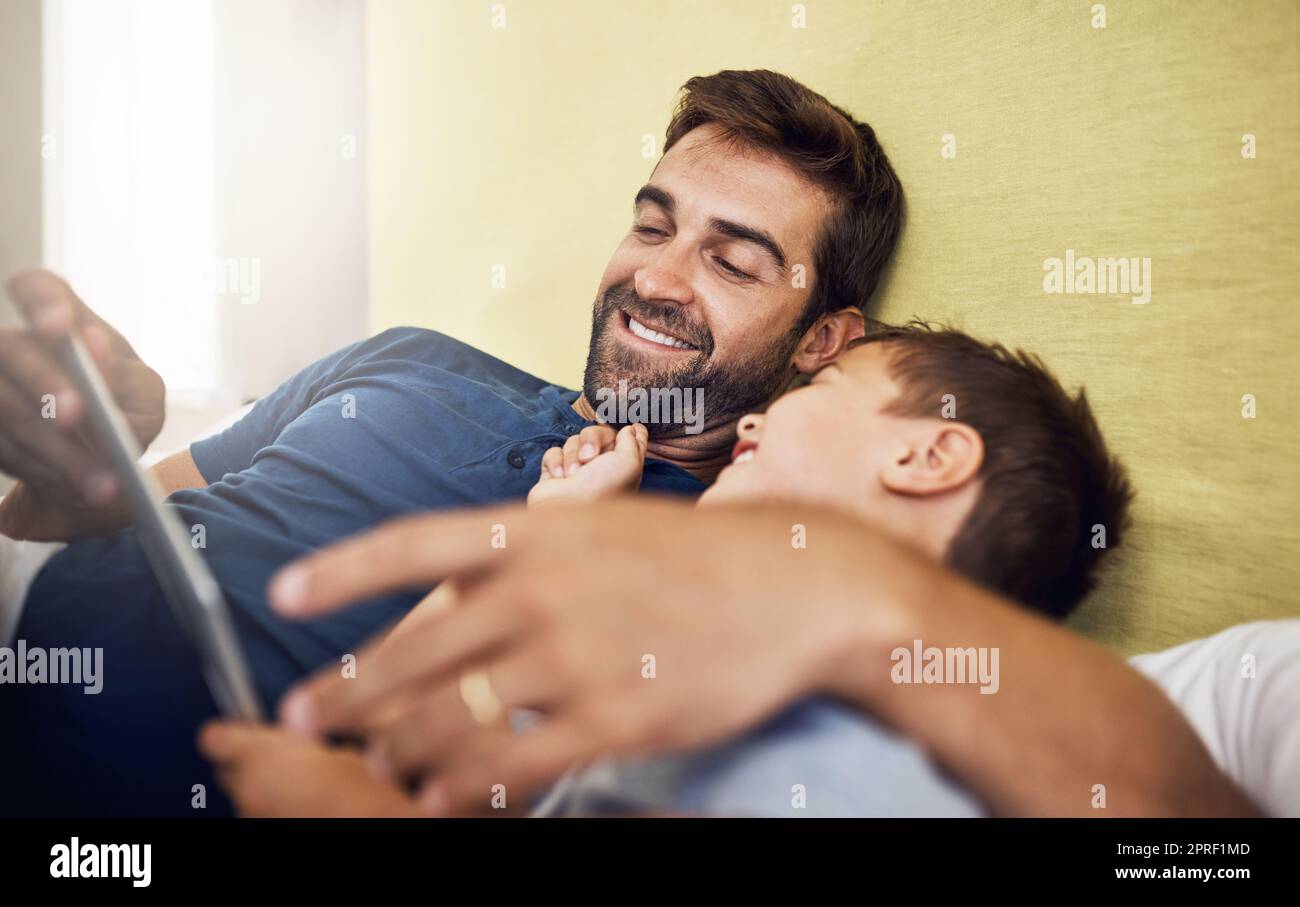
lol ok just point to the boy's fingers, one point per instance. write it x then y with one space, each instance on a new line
553 463
571 454
226 741
593 441
632 441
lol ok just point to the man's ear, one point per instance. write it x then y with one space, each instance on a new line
939 457
826 340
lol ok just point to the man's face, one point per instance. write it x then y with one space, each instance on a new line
701 292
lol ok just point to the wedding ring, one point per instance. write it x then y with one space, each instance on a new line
475 689
476 692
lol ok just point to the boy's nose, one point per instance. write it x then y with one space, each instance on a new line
750 427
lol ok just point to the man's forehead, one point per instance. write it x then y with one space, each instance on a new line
710 175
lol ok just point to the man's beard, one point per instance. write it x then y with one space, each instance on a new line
729 389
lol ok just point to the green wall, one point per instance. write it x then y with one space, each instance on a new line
522 146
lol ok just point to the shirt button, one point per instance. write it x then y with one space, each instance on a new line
515 459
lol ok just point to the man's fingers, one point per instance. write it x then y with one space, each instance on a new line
36 450
419 738
426 653
530 675
99 343
420 741
46 301
37 374
487 768
403 553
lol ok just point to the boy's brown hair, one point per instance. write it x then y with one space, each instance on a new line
1054 500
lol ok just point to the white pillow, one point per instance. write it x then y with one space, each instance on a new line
1240 689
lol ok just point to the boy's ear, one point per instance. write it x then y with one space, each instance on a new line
939 457
826 340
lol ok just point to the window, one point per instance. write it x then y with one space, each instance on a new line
129 179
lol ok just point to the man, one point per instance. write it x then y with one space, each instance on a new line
764 228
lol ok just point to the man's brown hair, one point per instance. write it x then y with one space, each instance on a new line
771 112
1048 480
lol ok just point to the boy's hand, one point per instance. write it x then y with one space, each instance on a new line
596 463
269 773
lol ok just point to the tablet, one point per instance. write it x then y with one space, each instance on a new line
187 584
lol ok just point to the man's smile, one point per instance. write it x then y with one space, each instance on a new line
652 335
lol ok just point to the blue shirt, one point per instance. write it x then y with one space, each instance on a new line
409 420
817 759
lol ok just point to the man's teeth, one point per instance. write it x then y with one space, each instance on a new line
745 457
655 337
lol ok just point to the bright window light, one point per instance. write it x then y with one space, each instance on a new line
129 175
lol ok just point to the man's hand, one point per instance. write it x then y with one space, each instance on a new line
65 489
269 773
594 464
686 627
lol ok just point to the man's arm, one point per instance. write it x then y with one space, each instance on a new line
740 624
1071 729
177 472
31 516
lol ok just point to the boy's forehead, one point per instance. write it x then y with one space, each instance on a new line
870 365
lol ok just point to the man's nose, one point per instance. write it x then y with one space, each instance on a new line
666 279
750 427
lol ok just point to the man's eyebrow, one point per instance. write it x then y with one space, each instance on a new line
654 194
760 238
